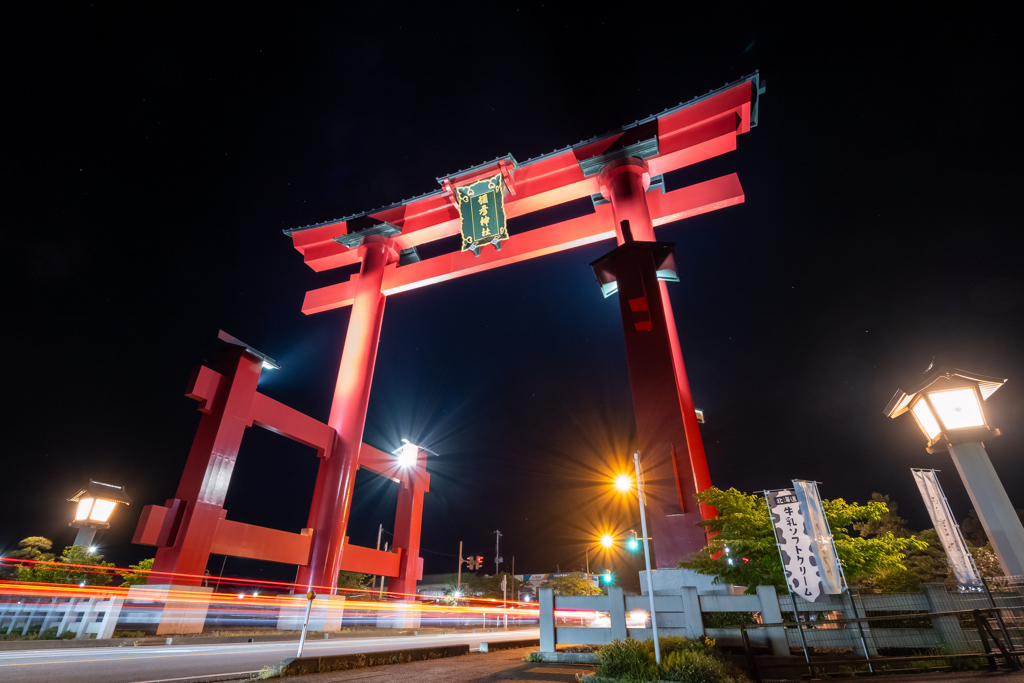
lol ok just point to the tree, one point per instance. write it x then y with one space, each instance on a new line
139 574
32 548
744 527
890 521
354 580
91 569
574 584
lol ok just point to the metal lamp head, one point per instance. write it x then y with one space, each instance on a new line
949 406
96 502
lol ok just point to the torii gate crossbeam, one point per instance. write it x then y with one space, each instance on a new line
621 171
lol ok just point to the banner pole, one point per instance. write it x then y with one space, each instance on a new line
792 595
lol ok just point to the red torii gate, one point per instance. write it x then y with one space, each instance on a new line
193 525
616 170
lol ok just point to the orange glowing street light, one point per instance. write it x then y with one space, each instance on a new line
624 483
607 541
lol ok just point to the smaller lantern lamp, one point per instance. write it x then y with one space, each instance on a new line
949 407
96 502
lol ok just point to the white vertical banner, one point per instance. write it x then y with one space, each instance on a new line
821 536
960 560
798 560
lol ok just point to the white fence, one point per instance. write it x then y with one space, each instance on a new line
680 612
84 617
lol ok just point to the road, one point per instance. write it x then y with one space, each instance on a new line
190 663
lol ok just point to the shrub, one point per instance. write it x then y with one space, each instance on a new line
692 667
628 659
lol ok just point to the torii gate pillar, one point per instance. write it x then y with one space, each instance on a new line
332 496
667 429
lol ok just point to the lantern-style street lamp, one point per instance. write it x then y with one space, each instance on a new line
96 502
949 407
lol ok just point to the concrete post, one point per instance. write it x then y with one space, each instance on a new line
617 612
110 617
993 505
691 611
948 627
546 601
771 613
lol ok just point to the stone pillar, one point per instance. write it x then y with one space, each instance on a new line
994 508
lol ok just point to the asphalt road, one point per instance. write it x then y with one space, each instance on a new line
190 663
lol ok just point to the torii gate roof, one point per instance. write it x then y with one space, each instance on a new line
690 132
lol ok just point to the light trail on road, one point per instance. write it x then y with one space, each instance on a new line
154 664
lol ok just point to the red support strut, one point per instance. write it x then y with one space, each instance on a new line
332 497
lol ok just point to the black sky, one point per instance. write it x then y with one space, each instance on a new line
152 155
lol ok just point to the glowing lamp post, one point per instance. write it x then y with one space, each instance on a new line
96 502
624 484
949 407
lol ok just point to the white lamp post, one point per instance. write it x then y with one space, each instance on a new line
96 502
949 407
624 484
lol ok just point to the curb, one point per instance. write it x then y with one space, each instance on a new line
319 665
151 641
570 657
508 645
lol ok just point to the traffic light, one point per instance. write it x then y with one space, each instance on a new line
474 562
632 543
607 578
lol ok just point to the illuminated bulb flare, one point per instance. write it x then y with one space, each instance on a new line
927 421
607 541
407 456
84 505
958 409
623 482
101 510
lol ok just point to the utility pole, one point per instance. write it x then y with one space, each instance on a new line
374 584
458 577
497 551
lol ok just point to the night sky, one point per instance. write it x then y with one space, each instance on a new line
152 155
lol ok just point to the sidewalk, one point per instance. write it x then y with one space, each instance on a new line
506 665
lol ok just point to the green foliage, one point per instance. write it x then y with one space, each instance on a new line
32 548
34 634
93 573
889 521
694 667
744 527
986 560
628 660
139 574
682 659
727 619
575 584
354 580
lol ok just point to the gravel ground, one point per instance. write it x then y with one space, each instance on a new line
507 665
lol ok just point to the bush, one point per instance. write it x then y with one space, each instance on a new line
682 659
692 667
628 659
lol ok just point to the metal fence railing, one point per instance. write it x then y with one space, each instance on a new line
884 643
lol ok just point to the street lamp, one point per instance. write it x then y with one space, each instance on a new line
623 483
949 407
96 502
